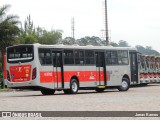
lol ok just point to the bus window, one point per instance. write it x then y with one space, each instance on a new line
111 58
20 54
99 59
68 57
79 56
57 59
45 56
123 58
89 57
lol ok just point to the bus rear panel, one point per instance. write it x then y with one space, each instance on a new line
21 66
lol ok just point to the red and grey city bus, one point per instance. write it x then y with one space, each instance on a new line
69 68
149 69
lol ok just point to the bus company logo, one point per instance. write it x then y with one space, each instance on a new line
78 73
19 69
92 76
6 114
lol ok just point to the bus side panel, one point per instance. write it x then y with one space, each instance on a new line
116 74
85 74
46 76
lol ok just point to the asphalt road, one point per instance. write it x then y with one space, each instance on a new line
146 98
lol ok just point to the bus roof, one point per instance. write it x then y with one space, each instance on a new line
79 47
85 47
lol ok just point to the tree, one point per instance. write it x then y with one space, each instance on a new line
123 43
147 50
27 32
8 28
49 37
30 34
95 41
114 44
148 47
68 41
28 28
103 42
82 42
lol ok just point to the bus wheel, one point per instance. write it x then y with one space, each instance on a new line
99 89
74 86
47 91
125 85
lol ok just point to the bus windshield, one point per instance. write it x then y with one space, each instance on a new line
20 54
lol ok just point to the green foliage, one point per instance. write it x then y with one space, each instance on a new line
1 75
27 39
49 37
114 44
147 50
95 41
68 41
28 27
82 41
123 43
30 34
8 28
148 47
27 33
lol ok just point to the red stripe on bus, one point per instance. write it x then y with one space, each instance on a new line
83 76
46 77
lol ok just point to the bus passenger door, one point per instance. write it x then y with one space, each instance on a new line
58 69
134 67
100 68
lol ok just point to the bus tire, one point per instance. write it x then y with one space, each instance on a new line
47 91
99 90
74 86
124 85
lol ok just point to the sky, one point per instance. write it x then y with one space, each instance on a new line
135 21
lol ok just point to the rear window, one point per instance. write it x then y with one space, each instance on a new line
20 54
